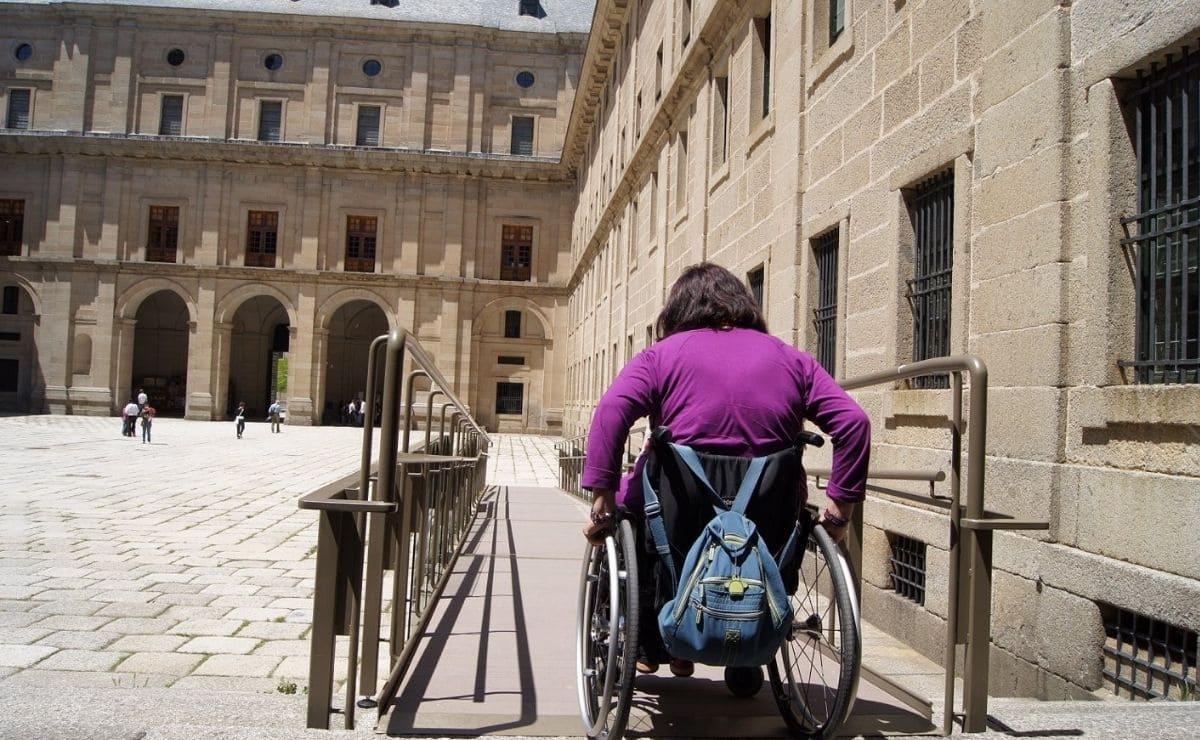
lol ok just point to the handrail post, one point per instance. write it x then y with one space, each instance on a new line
385 490
978 545
950 659
429 415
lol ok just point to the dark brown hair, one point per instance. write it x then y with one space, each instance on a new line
707 296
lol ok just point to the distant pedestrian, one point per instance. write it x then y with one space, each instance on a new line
147 422
273 412
142 399
240 418
131 414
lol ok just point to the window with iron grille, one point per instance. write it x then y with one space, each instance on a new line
262 229
837 19
368 126
18 109
756 279
170 121
12 226
1165 232
907 576
516 252
510 360
825 254
512 324
162 241
761 63
931 207
270 120
681 162
360 243
1147 659
522 136
510 398
720 120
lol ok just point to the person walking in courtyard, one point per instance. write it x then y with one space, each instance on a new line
148 412
240 418
131 414
273 412
142 398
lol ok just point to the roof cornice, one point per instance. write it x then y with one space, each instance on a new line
493 166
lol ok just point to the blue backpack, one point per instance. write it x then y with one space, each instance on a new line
730 606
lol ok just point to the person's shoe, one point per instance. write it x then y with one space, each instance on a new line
645 666
682 668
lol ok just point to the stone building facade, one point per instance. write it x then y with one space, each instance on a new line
226 201
900 179
896 179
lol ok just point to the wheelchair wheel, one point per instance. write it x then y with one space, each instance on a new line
814 676
607 634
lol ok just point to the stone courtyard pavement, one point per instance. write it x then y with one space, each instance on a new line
184 563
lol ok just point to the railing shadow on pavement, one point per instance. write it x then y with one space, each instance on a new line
437 638
413 523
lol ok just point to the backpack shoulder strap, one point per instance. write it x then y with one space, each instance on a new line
658 528
749 485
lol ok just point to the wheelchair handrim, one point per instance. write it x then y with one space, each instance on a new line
586 607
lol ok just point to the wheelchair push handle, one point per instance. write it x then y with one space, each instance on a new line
812 439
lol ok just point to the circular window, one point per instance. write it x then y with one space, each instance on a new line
525 79
175 57
23 52
372 67
273 61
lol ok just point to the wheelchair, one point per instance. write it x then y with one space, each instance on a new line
813 676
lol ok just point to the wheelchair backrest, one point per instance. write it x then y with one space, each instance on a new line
687 504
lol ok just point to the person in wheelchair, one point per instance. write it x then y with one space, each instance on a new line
725 387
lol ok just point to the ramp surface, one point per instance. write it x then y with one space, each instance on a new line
499 658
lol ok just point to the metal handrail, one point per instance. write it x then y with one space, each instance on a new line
420 502
972 533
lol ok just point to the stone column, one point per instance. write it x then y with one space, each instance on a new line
320 364
222 345
203 375
123 364
302 371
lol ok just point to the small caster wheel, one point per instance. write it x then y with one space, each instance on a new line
743 682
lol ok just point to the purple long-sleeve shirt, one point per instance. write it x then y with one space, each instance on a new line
730 392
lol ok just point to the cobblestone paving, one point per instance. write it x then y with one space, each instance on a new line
182 563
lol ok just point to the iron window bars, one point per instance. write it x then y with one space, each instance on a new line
1147 659
907 567
18 109
931 207
270 120
825 251
170 121
510 398
367 133
1165 244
